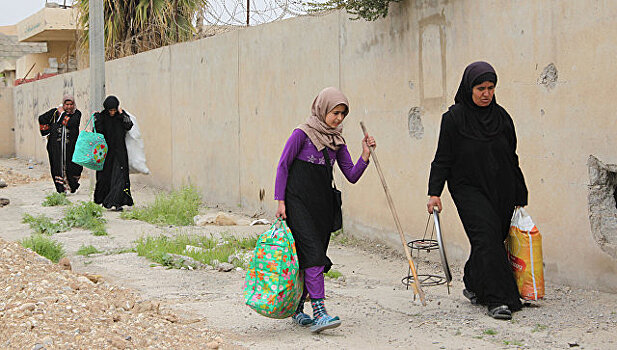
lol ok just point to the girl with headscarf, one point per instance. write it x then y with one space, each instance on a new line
476 155
61 126
113 187
304 192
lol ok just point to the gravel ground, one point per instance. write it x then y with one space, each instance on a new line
196 307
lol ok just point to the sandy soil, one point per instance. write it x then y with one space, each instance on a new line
378 312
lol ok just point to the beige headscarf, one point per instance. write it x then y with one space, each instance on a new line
315 126
68 97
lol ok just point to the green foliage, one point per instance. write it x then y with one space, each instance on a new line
83 214
176 208
133 26
490 331
86 250
539 328
55 199
369 10
512 342
86 215
43 224
208 249
44 246
334 274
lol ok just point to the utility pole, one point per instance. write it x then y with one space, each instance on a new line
97 60
248 12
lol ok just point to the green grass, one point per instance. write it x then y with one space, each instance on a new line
539 328
83 214
490 331
334 274
512 342
175 208
158 249
86 250
86 215
44 225
44 246
55 199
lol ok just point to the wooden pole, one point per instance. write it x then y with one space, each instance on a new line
416 284
96 34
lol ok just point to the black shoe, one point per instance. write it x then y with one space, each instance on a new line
501 312
471 296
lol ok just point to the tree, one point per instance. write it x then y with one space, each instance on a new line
369 10
133 26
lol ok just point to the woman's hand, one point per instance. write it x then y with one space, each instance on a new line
280 212
433 202
367 142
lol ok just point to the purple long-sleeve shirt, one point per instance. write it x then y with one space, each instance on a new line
300 146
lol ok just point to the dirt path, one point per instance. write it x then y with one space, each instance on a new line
376 309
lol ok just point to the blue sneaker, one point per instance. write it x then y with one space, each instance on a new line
325 322
302 319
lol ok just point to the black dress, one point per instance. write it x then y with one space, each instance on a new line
113 187
486 184
310 212
63 130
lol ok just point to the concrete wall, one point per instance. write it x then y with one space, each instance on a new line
217 112
7 123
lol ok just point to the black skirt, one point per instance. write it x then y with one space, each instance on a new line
310 214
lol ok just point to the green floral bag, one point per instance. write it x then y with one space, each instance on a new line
90 148
272 286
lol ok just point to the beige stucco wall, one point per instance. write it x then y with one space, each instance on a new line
217 112
7 122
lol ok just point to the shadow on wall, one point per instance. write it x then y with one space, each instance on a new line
603 204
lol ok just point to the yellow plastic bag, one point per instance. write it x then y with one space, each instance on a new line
524 245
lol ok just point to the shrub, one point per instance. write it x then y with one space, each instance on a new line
44 246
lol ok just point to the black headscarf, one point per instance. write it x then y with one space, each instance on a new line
473 121
111 102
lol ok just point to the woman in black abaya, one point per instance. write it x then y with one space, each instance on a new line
476 155
113 187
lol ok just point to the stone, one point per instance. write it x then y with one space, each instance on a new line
65 263
38 346
118 342
4 202
3 183
27 307
225 267
183 261
224 219
213 345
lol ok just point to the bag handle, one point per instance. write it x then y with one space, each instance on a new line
324 151
91 121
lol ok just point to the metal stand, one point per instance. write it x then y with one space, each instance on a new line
427 244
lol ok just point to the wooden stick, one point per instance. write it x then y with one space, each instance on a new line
416 283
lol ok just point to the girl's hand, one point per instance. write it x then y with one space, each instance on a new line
433 202
280 212
367 143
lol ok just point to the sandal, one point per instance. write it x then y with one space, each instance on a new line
501 312
325 322
471 296
302 319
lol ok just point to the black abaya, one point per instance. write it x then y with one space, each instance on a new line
113 187
309 206
486 183
63 130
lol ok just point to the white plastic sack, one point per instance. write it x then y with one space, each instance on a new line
135 149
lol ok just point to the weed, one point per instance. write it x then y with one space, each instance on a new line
86 215
120 251
478 337
458 332
88 262
208 249
86 250
490 331
44 246
176 208
55 199
512 342
43 224
334 274
539 328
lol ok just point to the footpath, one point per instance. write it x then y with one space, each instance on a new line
117 299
